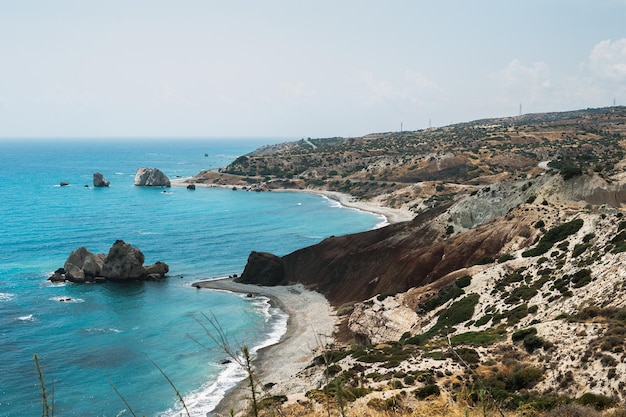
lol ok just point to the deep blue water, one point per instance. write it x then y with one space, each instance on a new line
107 336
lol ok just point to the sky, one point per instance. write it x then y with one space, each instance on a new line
299 68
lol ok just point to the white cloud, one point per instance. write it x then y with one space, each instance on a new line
297 89
531 79
411 87
517 83
608 59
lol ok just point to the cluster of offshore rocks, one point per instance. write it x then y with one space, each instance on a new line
123 263
144 177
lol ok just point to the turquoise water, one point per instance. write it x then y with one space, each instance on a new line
107 336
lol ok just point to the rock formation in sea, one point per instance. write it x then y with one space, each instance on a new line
83 266
123 263
151 177
99 180
263 269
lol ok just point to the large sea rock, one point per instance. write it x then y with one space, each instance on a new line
263 268
123 263
151 177
99 180
83 266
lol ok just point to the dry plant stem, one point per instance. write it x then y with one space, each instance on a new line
46 411
325 356
180 397
218 336
119 394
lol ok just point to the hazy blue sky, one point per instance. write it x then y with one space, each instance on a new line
296 68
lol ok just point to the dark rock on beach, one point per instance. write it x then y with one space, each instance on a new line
191 187
99 180
263 268
151 177
123 263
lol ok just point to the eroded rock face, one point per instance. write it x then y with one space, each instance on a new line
123 262
151 177
83 265
155 271
99 180
377 321
263 269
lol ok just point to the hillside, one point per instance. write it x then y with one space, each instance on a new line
506 289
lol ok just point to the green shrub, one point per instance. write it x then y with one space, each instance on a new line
464 281
521 334
480 338
514 315
449 292
457 313
552 236
533 342
505 257
524 378
483 320
597 401
427 391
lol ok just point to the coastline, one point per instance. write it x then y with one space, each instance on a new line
311 322
391 215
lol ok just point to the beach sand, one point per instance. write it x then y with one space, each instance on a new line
391 214
311 324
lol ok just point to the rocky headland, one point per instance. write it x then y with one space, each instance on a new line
506 291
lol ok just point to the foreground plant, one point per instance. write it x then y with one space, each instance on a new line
241 357
48 410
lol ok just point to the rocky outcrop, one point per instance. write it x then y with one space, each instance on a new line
99 180
378 321
151 177
82 265
123 263
263 269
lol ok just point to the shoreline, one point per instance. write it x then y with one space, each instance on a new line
391 215
311 322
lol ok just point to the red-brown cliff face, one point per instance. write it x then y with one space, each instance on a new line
397 257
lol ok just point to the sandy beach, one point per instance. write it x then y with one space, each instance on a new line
392 215
311 322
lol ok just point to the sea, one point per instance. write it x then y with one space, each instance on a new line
133 349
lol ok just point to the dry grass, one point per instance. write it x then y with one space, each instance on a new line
437 407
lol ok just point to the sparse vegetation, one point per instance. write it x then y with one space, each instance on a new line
553 236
